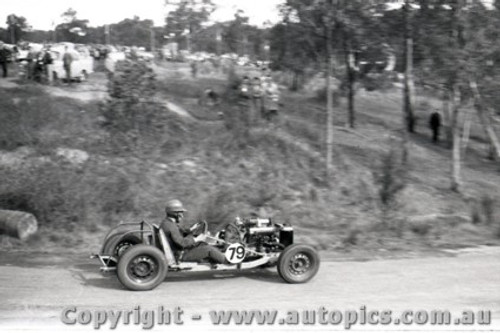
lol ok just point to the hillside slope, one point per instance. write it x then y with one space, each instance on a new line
219 172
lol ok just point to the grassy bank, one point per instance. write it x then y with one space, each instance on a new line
220 172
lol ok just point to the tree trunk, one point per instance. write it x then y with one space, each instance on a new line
329 102
350 81
466 129
409 86
456 146
485 119
17 224
447 117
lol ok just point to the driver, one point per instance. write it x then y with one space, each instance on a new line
193 248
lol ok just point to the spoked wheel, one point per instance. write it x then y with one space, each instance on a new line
142 267
298 263
124 245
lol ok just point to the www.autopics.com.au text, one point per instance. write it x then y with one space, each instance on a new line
148 319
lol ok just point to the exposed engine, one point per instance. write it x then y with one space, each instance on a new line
258 234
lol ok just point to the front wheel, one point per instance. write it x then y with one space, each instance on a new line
142 267
298 263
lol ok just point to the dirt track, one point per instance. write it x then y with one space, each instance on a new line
34 289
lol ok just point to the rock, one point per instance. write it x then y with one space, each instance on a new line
73 156
189 164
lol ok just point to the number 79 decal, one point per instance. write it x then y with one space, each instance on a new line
235 253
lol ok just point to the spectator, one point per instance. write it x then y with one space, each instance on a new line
4 58
270 99
435 124
46 61
194 69
256 105
245 87
67 61
31 63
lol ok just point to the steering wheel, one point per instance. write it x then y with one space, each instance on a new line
196 226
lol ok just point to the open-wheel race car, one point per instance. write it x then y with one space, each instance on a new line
142 255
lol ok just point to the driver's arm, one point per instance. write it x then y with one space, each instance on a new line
176 237
185 230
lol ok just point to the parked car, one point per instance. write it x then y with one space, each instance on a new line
81 67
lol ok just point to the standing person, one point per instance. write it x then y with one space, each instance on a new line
67 61
46 61
256 103
244 88
4 58
194 69
185 246
271 99
30 63
435 124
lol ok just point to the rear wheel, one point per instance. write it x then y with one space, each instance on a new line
142 267
298 263
124 245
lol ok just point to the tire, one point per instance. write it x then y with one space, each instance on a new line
114 245
298 263
142 267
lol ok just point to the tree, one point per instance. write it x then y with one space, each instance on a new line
326 24
293 50
133 32
187 17
318 20
72 29
409 85
16 26
234 35
458 42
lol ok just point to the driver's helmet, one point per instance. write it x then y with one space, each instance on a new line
174 206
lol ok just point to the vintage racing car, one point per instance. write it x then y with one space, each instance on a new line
141 254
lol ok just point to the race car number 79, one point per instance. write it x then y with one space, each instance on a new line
235 253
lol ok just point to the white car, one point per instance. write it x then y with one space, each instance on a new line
81 67
112 58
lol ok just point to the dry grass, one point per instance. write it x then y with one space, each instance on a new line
277 173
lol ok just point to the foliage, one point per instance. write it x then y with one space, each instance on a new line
134 32
133 117
72 29
187 17
390 178
16 26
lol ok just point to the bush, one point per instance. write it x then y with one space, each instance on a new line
50 192
61 195
133 118
377 81
390 179
23 119
483 210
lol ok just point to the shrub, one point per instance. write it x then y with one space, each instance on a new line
483 210
390 179
49 191
377 81
352 237
133 118
23 119
59 194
